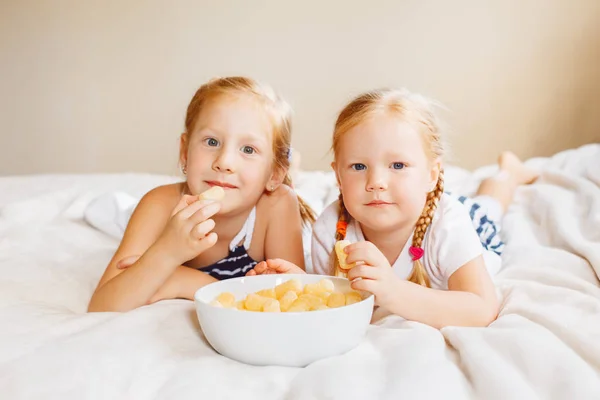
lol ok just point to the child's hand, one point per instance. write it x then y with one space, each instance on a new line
374 270
275 266
188 232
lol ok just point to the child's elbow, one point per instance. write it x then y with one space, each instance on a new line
98 305
489 313
93 307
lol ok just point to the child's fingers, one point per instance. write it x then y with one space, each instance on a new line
127 262
260 268
280 266
356 246
366 285
202 229
364 252
191 209
251 273
274 266
207 242
277 265
360 255
185 201
364 272
206 211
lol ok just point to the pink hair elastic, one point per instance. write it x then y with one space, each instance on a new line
416 252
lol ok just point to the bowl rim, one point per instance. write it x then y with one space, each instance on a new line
368 298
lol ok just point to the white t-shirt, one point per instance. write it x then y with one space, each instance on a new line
450 242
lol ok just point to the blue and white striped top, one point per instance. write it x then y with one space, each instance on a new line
238 261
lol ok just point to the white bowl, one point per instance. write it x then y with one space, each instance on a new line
293 339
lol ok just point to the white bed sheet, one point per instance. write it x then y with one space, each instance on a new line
545 344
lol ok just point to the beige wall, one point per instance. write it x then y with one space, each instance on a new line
102 86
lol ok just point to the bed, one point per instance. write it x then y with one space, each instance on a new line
545 343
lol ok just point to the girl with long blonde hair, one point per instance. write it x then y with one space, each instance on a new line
425 255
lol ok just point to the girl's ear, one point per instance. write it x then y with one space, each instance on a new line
434 174
276 179
183 149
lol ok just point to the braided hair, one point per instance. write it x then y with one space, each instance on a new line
414 109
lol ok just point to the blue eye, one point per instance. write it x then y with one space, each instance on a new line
248 150
212 142
358 167
398 165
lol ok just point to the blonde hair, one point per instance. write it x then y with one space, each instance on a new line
411 108
277 109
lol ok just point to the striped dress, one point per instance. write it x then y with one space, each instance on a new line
237 262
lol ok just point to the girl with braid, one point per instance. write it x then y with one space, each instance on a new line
425 256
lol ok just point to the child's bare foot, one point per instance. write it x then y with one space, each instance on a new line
511 164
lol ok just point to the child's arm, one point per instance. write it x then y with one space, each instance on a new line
182 284
283 238
470 301
164 241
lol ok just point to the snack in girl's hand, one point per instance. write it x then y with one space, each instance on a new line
290 296
341 255
214 193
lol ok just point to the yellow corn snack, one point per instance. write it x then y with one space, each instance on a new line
312 299
290 296
352 297
324 296
270 293
287 299
311 288
293 285
214 193
336 299
299 305
326 285
341 255
271 305
254 302
226 299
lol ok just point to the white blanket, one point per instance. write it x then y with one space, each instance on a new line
545 344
